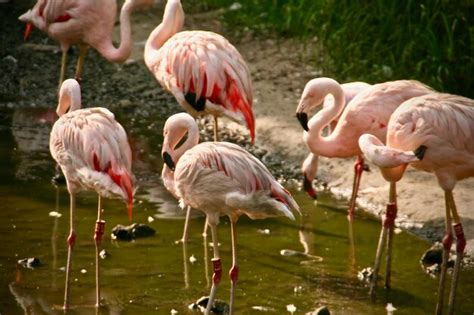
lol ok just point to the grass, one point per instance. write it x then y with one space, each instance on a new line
374 41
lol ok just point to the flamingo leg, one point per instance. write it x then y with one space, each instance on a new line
185 268
206 224
98 233
62 74
206 265
447 242
390 217
71 240
216 134
217 266
184 238
234 270
387 225
358 168
460 245
80 62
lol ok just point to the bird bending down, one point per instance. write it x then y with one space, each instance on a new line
87 23
309 168
221 178
433 133
92 149
368 112
205 73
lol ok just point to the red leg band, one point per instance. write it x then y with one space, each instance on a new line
390 215
460 239
447 240
216 264
99 230
234 273
71 240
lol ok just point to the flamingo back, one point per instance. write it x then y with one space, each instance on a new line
93 152
223 178
202 68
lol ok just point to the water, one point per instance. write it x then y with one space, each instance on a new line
155 275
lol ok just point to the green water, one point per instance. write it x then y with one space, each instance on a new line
154 275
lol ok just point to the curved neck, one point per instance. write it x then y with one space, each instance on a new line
106 47
69 97
173 20
325 146
191 141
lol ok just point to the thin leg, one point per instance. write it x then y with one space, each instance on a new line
216 134
388 221
460 245
185 261
71 240
62 74
206 265
80 62
206 224
98 233
390 217
217 266
234 270
352 258
358 168
447 242
186 225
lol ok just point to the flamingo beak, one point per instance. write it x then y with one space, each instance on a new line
420 152
303 119
308 187
28 29
168 161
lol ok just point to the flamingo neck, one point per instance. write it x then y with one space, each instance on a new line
191 141
173 20
329 145
69 97
106 47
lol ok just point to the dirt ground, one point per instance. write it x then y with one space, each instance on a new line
280 68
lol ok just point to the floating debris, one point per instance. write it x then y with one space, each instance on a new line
291 308
31 263
295 253
83 271
366 274
55 214
192 259
174 312
103 254
218 307
263 308
128 233
150 219
390 309
264 231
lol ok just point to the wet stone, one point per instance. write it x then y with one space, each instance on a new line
218 306
432 259
31 263
130 232
322 310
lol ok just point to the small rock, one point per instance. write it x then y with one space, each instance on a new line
291 308
103 254
31 263
128 233
218 307
366 274
432 259
322 310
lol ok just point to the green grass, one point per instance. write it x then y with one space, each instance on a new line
375 41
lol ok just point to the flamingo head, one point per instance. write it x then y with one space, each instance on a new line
313 95
309 169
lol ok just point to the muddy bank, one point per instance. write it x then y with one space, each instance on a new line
280 68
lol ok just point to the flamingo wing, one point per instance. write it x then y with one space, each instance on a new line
203 69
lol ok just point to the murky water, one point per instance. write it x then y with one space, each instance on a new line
155 275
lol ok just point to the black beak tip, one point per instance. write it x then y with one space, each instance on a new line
303 119
168 160
420 152
308 187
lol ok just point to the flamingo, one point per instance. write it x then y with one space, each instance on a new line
309 168
433 133
205 73
87 23
92 150
221 178
368 112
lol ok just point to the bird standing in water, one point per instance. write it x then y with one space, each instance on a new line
205 73
92 149
87 23
368 112
221 178
433 133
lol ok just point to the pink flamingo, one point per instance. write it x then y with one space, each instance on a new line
221 178
309 168
204 72
368 112
84 23
433 133
92 150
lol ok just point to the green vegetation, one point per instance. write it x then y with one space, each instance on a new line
428 40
